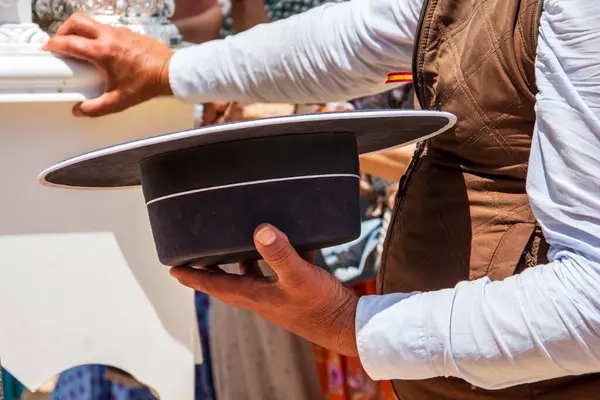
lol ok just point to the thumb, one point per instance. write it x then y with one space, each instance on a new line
275 248
107 103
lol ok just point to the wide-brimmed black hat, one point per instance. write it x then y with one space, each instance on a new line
207 189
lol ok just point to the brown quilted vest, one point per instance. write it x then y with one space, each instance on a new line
462 211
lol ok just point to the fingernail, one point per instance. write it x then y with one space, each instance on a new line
266 236
77 112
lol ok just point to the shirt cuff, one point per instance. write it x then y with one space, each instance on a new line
179 77
393 336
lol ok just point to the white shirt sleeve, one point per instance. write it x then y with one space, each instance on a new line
545 322
334 52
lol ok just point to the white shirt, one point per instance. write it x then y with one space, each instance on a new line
540 324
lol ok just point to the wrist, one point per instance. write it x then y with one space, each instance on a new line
343 327
163 86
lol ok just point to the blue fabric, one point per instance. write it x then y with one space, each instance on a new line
88 383
204 380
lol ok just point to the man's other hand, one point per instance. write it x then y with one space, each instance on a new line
135 68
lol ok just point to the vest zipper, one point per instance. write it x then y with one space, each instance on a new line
415 158
416 56
412 165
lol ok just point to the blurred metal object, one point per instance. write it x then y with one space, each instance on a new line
127 8
95 8
147 17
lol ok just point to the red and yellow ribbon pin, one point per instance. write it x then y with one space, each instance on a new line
396 77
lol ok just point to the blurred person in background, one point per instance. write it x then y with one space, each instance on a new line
187 8
227 17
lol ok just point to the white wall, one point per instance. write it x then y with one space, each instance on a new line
80 281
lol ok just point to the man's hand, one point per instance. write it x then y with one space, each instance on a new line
219 112
214 113
135 67
302 297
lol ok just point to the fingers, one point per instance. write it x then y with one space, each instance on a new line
108 103
81 25
238 290
213 113
235 112
215 269
74 46
250 268
277 251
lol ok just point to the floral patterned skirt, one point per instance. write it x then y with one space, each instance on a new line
343 378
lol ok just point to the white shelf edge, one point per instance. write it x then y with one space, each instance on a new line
30 76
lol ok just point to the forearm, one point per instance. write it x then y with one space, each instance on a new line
333 52
202 27
492 334
247 14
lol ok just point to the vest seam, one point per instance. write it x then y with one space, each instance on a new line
425 40
501 242
499 139
535 31
501 117
526 63
521 84
463 24
478 64
417 85
521 81
486 225
508 149
535 36
520 25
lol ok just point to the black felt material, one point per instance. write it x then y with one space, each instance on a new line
216 227
117 166
248 160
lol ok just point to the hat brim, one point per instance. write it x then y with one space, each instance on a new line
116 166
